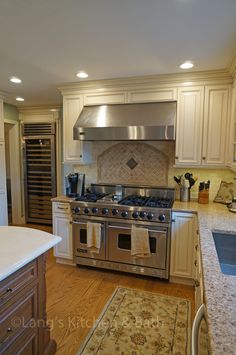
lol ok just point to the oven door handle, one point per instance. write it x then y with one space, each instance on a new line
73 222
149 230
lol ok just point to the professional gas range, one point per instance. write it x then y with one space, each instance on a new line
117 208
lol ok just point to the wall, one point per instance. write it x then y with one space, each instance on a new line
168 148
10 112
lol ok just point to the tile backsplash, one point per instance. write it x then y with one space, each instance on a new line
149 163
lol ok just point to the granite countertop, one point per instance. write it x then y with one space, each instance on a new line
219 289
19 246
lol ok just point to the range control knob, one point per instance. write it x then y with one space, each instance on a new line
150 215
105 211
135 214
76 209
95 210
115 212
124 214
86 210
143 214
162 217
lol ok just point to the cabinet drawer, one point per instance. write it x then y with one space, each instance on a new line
17 282
60 207
25 344
18 314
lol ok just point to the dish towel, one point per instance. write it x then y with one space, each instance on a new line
94 237
140 242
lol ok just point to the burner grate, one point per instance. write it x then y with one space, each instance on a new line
91 197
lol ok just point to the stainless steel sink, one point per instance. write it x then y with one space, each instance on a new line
225 243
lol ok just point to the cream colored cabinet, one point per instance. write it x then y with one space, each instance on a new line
63 228
104 98
183 245
74 151
189 126
215 129
152 95
202 126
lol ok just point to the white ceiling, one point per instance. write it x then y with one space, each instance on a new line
45 42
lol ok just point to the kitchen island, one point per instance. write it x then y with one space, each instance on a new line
219 289
23 322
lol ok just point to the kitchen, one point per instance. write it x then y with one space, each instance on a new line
203 145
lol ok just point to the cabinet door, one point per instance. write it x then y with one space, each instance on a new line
183 245
72 106
104 98
215 125
152 95
189 126
62 228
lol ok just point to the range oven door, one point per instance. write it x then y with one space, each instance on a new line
119 246
80 241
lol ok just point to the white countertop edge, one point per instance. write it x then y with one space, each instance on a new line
41 250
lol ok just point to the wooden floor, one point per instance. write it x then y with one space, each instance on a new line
77 295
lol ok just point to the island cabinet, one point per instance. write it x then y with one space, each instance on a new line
62 227
202 126
23 321
183 247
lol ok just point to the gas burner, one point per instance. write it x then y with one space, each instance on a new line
159 202
91 197
134 200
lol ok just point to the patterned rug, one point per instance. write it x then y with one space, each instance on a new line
141 323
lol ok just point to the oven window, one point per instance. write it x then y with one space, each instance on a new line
124 242
83 236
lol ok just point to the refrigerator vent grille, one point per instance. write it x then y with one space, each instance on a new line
38 129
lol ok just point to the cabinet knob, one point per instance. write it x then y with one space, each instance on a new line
203 158
176 157
196 283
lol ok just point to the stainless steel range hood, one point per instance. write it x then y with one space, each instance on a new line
147 121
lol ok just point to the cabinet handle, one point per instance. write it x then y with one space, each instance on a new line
203 158
196 283
197 231
176 157
196 247
62 208
6 336
173 220
195 262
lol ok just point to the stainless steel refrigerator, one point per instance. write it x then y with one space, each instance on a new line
39 171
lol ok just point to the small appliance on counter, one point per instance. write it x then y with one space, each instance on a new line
232 205
75 184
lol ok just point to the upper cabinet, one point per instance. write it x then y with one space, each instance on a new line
74 151
152 95
215 129
105 98
189 126
202 126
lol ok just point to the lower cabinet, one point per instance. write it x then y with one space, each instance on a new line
63 228
23 321
183 245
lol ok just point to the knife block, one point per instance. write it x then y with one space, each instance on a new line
203 196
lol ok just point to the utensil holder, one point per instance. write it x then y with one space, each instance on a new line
185 194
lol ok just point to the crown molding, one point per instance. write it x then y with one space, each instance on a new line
176 79
48 108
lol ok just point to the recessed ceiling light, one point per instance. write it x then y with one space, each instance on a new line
20 99
82 75
186 65
15 80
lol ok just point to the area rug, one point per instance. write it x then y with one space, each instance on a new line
140 323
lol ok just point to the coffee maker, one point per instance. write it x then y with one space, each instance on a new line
75 184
